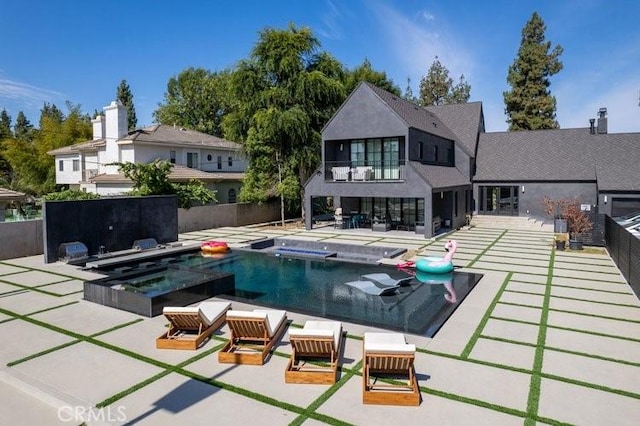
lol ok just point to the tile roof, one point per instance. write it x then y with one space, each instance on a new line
163 134
9 195
82 146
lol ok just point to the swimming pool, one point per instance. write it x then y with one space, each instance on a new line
318 287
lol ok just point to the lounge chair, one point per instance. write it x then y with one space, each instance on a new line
387 281
370 287
253 335
190 326
388 357
316 353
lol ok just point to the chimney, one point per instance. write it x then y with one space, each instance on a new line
116 121
602 121
98 127
592 126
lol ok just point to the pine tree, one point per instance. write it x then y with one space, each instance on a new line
436 87
408 93
124 95
23 128
5 125
529 105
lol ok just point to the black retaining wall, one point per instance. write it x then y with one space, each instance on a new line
114 223
624 249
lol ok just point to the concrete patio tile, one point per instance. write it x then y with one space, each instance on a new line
27 339
613 276
573 261
520 313
31 301
596 296
87 372
31 410
612 375
516 260
9 269
509 330
8 288
508 267
175 399
471 380
267 379
593 285
609 347
64 288
607 269
613 327
522 298
346 404
33 278
602 309
86 318
579 405
511 354
526 287
530 278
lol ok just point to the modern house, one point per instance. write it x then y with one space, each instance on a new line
391 164
87 166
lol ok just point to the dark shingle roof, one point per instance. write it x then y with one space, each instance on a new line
618 162
465 121
440 177
413 115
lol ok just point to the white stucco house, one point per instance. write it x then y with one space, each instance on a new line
217 162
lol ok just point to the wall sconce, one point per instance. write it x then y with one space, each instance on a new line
523 189
341 146
441 194
605 199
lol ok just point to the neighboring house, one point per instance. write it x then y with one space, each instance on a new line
7 196
407 167
86 165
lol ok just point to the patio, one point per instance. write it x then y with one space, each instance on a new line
545 337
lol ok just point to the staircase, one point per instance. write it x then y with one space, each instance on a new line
510 222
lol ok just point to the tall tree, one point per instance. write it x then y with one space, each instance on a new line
196 99
437 88
283 95
408 93
52 112
124 95
365 72
5 125
529 104
23 129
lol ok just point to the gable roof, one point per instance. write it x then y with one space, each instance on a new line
441 177
465 120
618 161
9 195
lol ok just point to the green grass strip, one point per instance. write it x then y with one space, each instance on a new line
485 318
489 246
533 400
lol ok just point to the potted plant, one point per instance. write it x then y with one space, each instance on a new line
560 239
555 209
578 223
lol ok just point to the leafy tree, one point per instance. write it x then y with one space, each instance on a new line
529 104
437 88
23 129
52 112
5 125
408 93
283 95
71 194
196 99
153 179
124 95
364 72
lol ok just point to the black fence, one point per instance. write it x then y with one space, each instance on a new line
624 249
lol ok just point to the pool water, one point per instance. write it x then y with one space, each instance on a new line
317 287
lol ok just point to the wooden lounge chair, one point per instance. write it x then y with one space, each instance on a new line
316 353
388 372
253 335
190 326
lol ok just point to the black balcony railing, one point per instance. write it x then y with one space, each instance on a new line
365 171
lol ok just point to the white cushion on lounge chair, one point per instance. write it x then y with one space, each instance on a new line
319 329
391 343
274 318
211 311
181 309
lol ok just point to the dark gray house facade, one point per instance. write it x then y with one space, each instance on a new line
390 164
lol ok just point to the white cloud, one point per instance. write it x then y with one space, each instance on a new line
330 20
25 95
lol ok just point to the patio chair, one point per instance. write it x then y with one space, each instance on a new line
190 326
316 353
369 287
387 281
253 335
340 173
388 370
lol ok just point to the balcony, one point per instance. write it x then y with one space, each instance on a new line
367 171
89 174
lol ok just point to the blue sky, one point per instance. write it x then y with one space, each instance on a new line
79 51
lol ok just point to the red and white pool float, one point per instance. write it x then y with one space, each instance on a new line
210 247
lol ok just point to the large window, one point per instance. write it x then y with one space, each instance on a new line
499 200
172 157
357 153
76 165
192 160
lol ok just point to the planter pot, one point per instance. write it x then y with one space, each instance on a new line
575 245
560 245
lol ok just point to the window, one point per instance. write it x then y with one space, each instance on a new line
61 166
76 165
209 157
232 196
230 161
219 162
192 160
172 157
357 153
